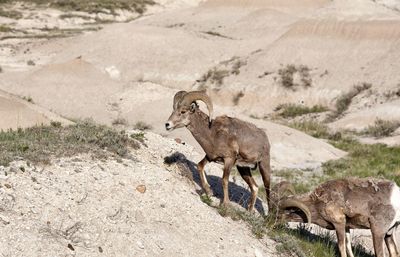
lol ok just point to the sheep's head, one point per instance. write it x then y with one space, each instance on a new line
289 208
184 106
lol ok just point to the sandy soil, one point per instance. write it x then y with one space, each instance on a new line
140 207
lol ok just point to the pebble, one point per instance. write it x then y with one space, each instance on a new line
258 253
140 244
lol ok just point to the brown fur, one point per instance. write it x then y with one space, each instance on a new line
229 141
345 204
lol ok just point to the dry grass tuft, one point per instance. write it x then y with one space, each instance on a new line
382 128
287 76
293 110
39 144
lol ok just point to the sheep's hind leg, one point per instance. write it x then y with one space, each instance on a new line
203 178
348 244
391 245
341 237
245 172
377 238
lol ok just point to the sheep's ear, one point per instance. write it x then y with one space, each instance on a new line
193 106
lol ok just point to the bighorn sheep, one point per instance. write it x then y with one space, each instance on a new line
224 139
351 203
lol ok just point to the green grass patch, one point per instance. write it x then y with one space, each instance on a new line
39 144
363 160
293 110
313 128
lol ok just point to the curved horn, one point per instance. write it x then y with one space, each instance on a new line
198 95
298 204
178 97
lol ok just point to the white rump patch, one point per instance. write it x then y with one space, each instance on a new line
395 201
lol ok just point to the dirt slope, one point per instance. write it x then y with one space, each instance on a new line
17 113
84 207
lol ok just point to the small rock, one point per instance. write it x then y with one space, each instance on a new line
4 220
100 249
160 245
140 244
71 247
258 253
141 188
113 72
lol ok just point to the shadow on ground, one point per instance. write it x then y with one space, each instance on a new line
237 193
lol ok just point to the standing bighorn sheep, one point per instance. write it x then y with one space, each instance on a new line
224 139
345 204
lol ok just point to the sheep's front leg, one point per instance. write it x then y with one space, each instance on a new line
341 237
203 178
228 164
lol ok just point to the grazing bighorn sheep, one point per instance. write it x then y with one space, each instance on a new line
345 204
223 139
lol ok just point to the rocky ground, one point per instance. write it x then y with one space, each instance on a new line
82 206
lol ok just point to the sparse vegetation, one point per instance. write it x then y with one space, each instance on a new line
237 97
287 79
344 101
48 33
12 14
215 34
313 128
119 121
257 224
293 110
381 128
39 144
5 28
28 99
214 76
141 125
140 136
30 63
93 6
74 15
237 65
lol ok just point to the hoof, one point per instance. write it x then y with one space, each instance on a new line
208 192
